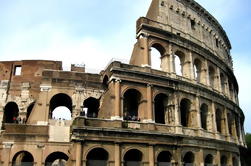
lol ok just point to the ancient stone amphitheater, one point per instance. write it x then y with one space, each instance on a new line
184 111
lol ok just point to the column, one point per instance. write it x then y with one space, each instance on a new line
79 154
117 154
200 157
186 67
214 125
226 128
45 89
197 112
151 155
190 56
207 81
6 151
149 104
217 158
218 80
117 104
145 50
171 60
165 62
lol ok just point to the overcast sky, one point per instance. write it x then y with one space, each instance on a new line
95 31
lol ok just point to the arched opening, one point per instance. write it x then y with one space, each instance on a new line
197 70
131 104
222 81
133 157
11 113
211 73
23 158
188 159
185 106
235 161
178 62
157 51
160 104
91 107
60 107
105 82
204 115
97 157
209 160
56 158
219 117
164 158
223 160
29 110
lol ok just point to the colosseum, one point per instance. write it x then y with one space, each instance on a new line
182 112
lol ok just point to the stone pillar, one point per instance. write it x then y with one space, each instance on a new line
218 80
227 88
191 68
186 67
171 60
151 155
45 89
207 79
197 112
117 154
145 50
79 154
226 128
6 152
149 104
165 62
214 125
217 158
200 158
117 107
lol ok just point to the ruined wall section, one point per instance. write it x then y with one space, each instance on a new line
20 82
191 21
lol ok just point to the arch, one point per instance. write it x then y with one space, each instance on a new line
97 156
91 107
223 160
160 104
60 102
164 158
219 117
197 68
23 158
29 110
157 51
188 158
235 161
179 58
185 106
204 115
59 158
131 102
209 160
211 73
133 157
11 113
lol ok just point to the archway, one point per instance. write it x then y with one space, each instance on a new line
23 158
164 158
97 157
157 51
223 160
11 113
62 105
178 62
211 73
209 160
219 117
91 106
203 116
197 70
185 106
131 103
160 104
133 157
188 159
56 158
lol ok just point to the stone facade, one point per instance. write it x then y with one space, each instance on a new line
185 113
